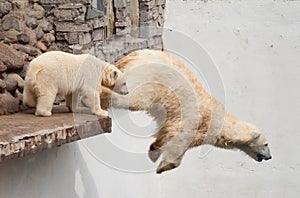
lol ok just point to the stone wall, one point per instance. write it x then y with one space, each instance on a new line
24 34
31 27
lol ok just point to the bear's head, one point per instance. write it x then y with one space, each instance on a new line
112 78
257 148
245 137
254 143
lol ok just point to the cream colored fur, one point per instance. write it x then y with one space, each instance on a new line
59 73
186 114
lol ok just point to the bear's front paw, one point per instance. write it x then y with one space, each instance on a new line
102 113
43 113
154 153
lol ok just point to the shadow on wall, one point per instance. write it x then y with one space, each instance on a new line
57 172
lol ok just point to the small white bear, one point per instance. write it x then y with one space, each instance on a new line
60 73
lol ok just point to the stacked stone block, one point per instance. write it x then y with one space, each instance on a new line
151 24
24 34
78 26
32 27
122 17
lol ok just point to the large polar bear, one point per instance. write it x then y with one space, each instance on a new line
187 116
59 73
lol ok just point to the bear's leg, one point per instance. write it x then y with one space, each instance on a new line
165 165
155 149
172 146
69 102
45 102
72 103
44 105
92 100
154 152
29 97
172 157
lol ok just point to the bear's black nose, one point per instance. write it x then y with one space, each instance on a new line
268 158
261 157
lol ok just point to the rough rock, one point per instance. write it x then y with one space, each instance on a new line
16 78
69 15
98 22
2 67
120 3
23 38
39 33
19 15
10 57
2 37
11 84
17 4
34 1
45 25
5 7
160 2
11 22
48 39
10 36
28 49
25 56
147 5
85 38
2 86
121 13
72 37
38 12
98 34
32 23
53 47
71 27
41 46
8 104
31 35
22 73
65 1
146 16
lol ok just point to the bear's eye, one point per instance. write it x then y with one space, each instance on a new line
266 145
124 83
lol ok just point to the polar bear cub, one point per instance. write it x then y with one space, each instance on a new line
73 76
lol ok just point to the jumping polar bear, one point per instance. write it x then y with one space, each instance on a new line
59 73
187 116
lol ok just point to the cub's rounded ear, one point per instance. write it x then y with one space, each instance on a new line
115 74
255 135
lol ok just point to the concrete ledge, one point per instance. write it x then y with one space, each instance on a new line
23 134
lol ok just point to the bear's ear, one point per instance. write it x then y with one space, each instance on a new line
255 135
115 74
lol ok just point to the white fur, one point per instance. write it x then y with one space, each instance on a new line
59 73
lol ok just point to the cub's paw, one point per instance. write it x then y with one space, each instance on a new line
43 113
102 113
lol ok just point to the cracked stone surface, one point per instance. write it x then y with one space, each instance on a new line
24 134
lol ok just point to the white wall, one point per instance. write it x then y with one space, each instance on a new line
255 45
